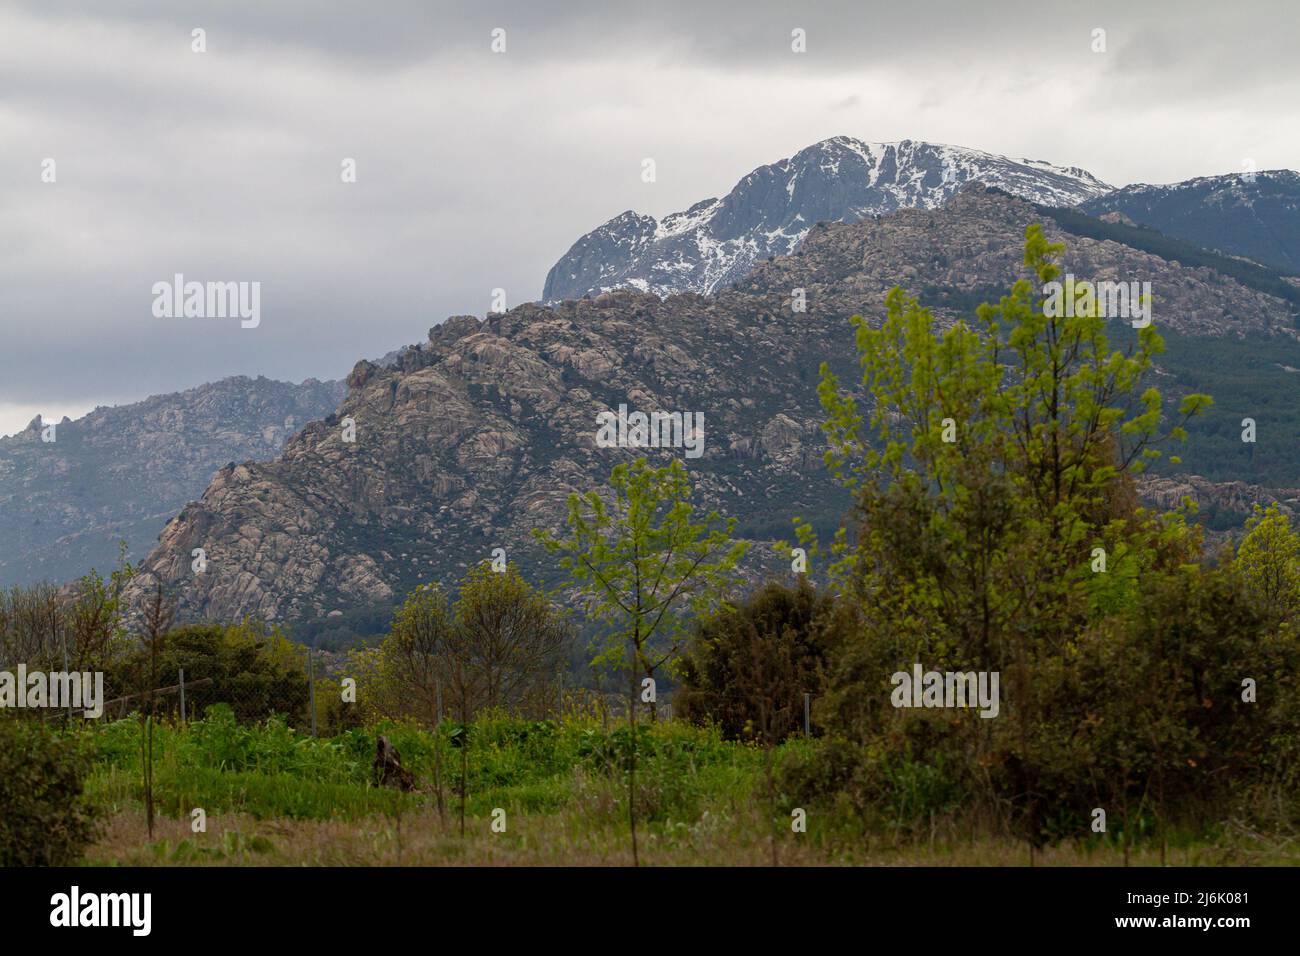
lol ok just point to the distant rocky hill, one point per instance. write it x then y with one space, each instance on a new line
122 472
1255 216
470 440
718 241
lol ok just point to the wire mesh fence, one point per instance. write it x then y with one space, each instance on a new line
324 693
291 692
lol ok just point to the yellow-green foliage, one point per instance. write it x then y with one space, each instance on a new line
993 463
1269 561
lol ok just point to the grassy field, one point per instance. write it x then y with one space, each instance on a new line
276 797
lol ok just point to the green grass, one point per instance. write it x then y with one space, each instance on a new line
273 795
270 770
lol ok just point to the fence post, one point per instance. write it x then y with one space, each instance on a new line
807 715
311 685
65 670
182 682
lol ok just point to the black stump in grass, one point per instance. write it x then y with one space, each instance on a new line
388 769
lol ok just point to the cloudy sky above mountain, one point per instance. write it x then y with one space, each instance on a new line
477 170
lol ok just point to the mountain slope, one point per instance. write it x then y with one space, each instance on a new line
122 472
718 241
477 435
1259 219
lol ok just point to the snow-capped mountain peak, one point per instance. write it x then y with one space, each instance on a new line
768 212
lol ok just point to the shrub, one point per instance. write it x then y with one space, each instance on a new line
45 819
750 664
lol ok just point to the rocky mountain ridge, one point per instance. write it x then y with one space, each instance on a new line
119 473
1256 215
476 436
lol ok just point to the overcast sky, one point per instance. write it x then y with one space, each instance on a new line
478 170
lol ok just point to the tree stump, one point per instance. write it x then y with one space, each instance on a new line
388 768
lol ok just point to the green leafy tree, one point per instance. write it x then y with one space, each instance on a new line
991 467
1164 729
1268 558
640 558
499 647
416 654
750 664
252 667
84 624
515 637
95 615
415 663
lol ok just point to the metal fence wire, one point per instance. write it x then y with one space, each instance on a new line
308 695
187 693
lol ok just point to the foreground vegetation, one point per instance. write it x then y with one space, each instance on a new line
273 796
1145 692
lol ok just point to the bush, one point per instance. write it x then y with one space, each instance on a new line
45 819
749 665
254 669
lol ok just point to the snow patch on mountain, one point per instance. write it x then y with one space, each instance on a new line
768 213
1256 215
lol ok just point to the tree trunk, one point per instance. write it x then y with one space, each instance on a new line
437 763
464 760
771 800
631 775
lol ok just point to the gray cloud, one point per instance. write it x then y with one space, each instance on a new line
477 171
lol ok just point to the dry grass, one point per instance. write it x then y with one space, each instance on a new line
420 840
